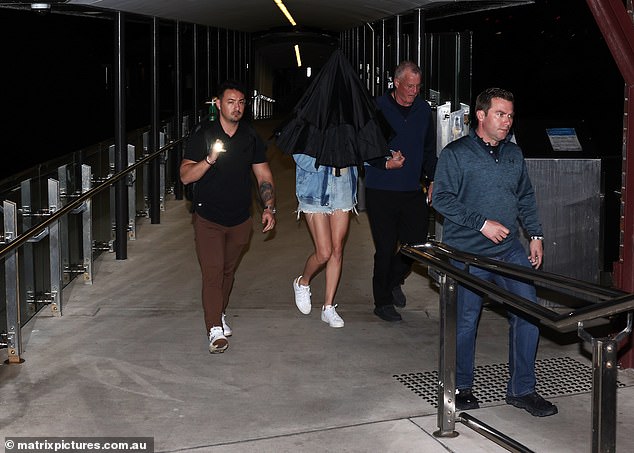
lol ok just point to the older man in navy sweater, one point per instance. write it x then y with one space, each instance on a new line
483 190
396 200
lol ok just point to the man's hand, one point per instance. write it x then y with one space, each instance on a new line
268 220
214 151
495 231
536 248
396 161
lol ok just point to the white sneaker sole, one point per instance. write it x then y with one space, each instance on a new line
335 326
218 350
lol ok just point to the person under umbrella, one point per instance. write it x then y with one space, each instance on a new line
334 129
336 121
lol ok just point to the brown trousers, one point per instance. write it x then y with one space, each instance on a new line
219 249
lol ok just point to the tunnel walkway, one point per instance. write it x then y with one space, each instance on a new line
129 357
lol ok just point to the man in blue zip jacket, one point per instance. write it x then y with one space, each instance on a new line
483 190
396 200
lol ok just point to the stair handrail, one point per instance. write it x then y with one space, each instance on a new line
613 301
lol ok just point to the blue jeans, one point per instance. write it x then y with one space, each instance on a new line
523 335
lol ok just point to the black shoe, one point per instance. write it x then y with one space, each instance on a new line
466 400
398 298
533 403
387 313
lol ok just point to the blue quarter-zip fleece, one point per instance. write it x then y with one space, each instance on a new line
470 187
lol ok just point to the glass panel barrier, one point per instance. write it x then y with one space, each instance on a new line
91 220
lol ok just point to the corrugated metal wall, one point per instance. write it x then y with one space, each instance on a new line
569 198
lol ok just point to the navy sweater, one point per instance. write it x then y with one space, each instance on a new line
415 137
470 187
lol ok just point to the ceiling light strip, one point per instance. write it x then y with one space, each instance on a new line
282 8
299 59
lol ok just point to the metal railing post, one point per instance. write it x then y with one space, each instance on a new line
447 359
162 159
148 170
28 261
55 259
86 222
131 184
604 381
64 192
12 284
112 195
146 175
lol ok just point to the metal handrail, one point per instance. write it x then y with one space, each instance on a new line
613 301
561 281
440 257
37 229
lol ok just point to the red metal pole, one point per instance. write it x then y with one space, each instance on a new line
624 268
617 28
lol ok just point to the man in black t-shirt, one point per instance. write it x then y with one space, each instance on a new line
220 157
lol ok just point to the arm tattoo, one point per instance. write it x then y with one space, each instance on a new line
266 192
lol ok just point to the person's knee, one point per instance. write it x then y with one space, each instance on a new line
337 251
322 255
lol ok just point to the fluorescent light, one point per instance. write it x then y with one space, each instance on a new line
41 7
309 71
299 59
282 8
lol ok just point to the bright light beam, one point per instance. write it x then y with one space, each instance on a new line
282 8
299 58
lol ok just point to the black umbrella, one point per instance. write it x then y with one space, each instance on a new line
336 121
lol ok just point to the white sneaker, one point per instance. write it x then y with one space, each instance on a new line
330 315
226 328
217 340
302 296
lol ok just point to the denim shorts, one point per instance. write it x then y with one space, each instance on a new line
324 190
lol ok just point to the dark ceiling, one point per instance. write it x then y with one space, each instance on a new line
261 15
318 22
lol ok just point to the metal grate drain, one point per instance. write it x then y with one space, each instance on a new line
555 377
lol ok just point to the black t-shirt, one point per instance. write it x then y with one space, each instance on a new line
224 192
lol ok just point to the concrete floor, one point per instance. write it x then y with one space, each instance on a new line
129 357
